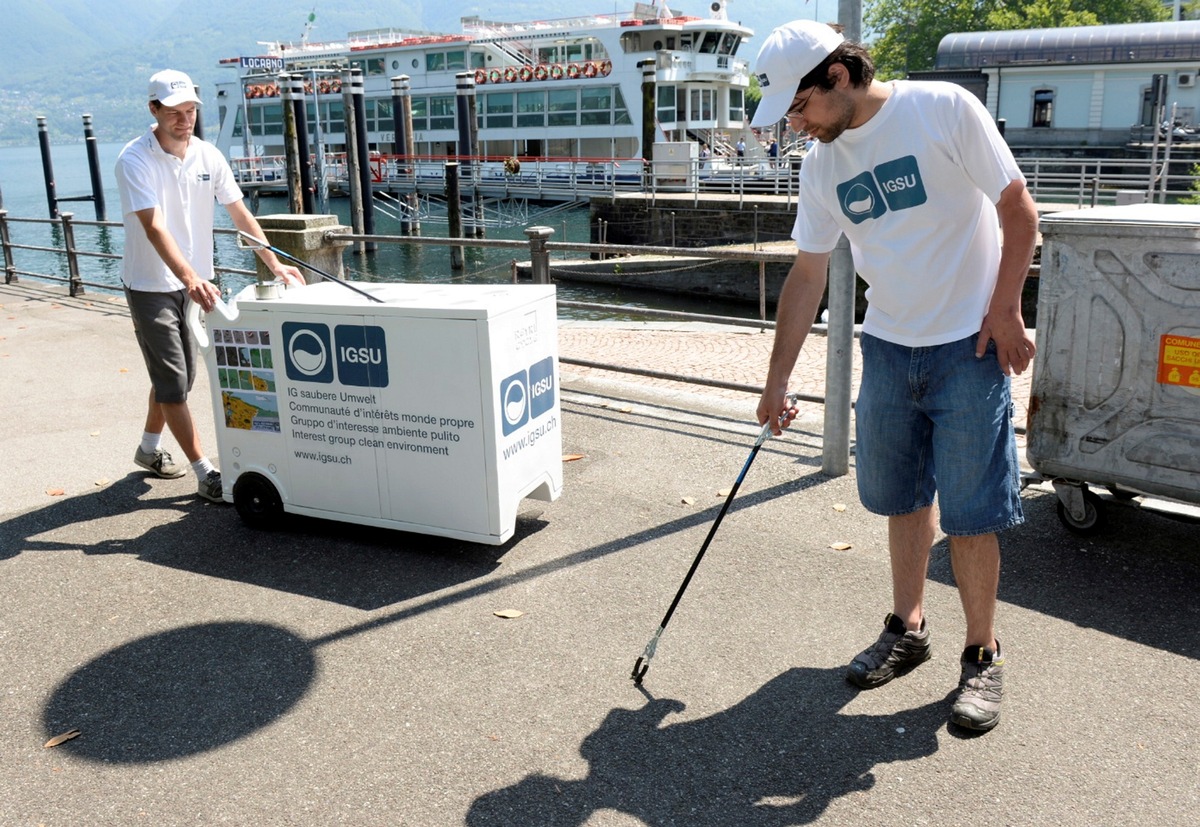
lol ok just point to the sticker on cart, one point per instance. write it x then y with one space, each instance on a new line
1179 361
246 377
526 395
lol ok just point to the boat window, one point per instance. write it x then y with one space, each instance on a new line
531 108
420 114
456 60
435 62
631 42
478 60
666 104
685 42
736 105
709 45
499 109
376 66
379 114
563 105
575 52
547 54
441 112
729 44
595 106
621 116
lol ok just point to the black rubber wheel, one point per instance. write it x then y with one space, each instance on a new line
1093 518
257 502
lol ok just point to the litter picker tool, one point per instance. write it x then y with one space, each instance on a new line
249 242
642 664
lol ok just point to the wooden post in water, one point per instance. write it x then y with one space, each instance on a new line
402 120
353 179
47 167
466 149
454 213
291 149
93 156
648 122
359 98
300 117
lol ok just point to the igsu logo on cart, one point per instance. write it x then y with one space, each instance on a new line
526 395
359 353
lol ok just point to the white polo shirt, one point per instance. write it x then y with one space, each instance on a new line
184 190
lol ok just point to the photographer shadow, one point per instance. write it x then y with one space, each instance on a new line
779 757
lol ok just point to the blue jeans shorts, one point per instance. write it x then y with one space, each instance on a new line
936 419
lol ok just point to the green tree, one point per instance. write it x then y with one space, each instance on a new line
912 29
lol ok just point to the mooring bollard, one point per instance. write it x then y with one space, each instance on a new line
539 256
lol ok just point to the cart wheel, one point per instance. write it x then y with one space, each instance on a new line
1092 522
257 501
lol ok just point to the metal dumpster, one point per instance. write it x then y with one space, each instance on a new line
1115 398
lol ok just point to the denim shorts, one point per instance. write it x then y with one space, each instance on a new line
936 419
168 347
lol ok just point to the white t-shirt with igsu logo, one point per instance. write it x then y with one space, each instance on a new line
185 191
914 190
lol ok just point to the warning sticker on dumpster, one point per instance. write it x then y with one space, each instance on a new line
1179 361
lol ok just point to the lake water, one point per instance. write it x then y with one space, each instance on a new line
24 196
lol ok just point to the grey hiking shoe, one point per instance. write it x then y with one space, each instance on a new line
210 487
158 462
896 652
980 689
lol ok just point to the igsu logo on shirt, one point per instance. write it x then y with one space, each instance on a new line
526 395
357 352
895 185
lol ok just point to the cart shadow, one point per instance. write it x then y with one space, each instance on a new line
1137 581
361 567
779 757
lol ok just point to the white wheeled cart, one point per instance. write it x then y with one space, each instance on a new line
1116 385
434 410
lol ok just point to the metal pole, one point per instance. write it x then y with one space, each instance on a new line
454 213
321 186
839 362
1166 167
93 156
10 269
465 111
539 256
198 131
402 124
47 166
76 281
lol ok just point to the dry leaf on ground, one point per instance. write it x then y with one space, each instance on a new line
840 546
62 739
572 457
55 492
508 613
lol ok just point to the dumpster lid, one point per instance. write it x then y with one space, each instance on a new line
1158 214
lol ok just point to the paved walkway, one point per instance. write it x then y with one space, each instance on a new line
333 674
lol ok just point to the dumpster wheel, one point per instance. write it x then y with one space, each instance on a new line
257 501
1092 522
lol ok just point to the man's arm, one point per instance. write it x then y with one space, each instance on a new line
797 308
245 221
203 292
1003 323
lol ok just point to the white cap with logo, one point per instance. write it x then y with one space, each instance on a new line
171 88
790 52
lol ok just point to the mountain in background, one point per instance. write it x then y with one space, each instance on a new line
64 58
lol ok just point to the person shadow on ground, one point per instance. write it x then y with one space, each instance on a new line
779 757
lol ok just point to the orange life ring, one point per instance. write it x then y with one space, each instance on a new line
510 74
589 69
335 85
540 71
252 91
481 76
606 68
573 70
323 87
526 73
556 72
308 87
271 90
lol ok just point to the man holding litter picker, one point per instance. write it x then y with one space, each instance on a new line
920 181
168 180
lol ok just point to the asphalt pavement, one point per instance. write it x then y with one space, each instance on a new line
330 674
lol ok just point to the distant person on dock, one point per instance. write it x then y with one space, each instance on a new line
919 179
741 148
773 153
168 180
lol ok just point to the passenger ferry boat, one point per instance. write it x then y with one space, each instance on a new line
566 90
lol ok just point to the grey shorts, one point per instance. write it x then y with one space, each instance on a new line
167 345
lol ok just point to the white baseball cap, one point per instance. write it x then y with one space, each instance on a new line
171 88
791 52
